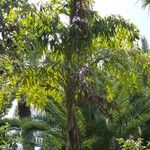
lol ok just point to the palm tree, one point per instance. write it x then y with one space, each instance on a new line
123 122
146 3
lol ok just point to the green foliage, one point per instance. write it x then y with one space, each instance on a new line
115 32
92 62
4 140
40 28
7 137
7 86
131 144
122 120
50 125
55 136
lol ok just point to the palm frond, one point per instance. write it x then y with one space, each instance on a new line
146 3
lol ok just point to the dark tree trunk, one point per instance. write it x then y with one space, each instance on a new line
72 128
108 144
24 112
79 14
146 132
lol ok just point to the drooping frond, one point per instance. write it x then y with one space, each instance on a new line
146 3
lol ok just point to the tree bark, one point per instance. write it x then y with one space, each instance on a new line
23 110
72 128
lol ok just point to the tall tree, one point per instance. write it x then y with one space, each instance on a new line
80 64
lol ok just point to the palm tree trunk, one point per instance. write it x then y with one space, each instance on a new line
108 144
78 15
72 129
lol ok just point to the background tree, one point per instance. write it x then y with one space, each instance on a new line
145 46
